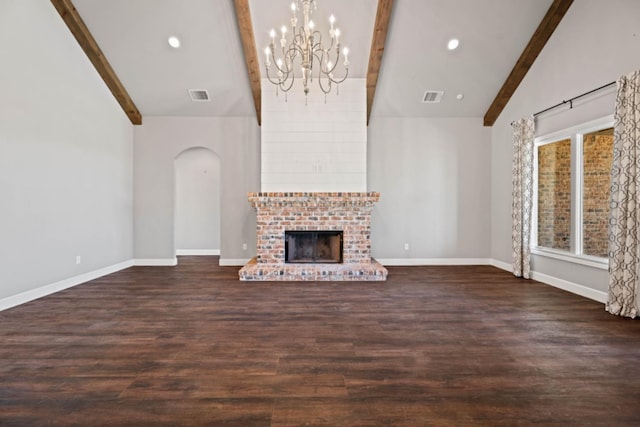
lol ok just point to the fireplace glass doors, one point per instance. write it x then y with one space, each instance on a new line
313 247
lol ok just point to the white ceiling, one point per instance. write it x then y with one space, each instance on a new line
133 36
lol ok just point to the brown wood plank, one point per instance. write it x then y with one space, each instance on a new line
192 345
380 30
547 26
76 25
243 17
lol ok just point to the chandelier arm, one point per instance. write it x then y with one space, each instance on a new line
333 67
329 74
275 82
333 40
327 90
346 74
319 55
297 50
287 88
317 46
285 72
300 42
281 82
285 59
320 58
293 47
317 37
282 77
290 56
299 37
335 64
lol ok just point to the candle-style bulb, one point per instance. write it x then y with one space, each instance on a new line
267 52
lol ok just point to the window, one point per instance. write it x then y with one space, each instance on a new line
554 195
572 170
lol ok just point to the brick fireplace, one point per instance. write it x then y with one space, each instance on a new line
281 212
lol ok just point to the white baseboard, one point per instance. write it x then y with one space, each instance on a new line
233 262
197 252
501 265
565 285
432 261
153 262
43 291
574 288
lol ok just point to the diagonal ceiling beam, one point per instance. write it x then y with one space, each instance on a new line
243 17
540 37
76 25
380 29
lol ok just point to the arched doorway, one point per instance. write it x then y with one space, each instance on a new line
197 202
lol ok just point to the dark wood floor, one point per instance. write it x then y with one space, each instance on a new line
433 346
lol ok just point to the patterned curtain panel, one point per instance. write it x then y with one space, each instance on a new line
522 192
624 222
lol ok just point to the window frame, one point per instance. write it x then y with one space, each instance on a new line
576 135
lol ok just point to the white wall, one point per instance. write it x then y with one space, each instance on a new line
66 157
197 201
595 44
315 147
157 143
433 176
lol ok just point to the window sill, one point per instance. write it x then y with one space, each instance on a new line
590 261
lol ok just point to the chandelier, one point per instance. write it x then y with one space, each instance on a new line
306 48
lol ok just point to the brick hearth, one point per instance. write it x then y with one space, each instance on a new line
348 212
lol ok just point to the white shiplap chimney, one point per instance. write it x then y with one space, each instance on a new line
321 146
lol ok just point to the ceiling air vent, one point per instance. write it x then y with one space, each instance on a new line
432 96
199 95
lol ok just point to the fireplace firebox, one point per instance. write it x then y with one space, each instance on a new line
313 247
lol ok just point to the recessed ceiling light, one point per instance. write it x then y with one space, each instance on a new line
459 96
174 42
453 43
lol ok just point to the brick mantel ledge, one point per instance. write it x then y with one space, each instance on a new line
302 199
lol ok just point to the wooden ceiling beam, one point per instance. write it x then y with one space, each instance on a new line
540 37
243 18
76 25
380 29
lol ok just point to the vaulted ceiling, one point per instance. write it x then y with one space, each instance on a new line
496 48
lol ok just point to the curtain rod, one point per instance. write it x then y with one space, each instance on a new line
570 101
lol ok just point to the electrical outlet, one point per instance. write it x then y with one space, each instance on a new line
78 259
406 246
244 246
